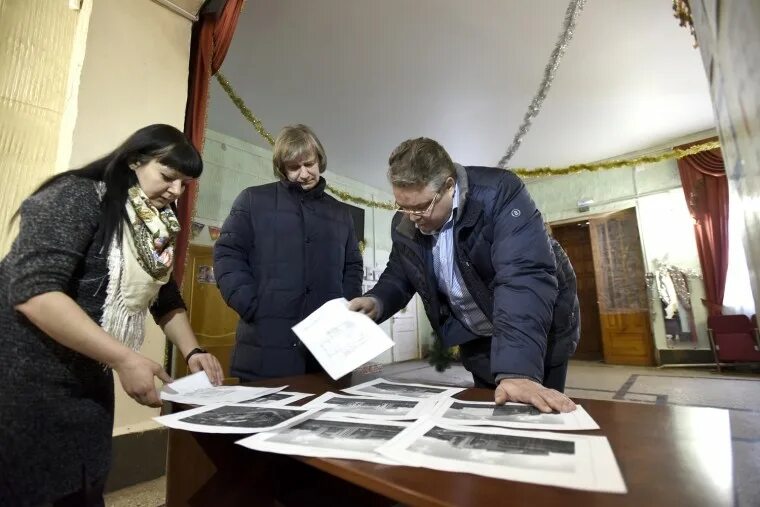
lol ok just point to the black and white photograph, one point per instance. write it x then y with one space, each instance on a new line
382 388
279 399
565 460
504 450
235 418
370 407
511 415
329 438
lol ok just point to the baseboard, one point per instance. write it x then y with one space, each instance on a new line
137 457
686 356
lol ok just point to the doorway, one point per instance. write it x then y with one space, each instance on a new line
605 252
575 238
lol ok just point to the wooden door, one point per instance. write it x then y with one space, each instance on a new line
575 238
404 333
621 289
213 322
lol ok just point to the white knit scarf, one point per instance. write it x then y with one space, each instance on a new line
139 263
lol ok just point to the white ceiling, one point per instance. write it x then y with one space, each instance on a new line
367 74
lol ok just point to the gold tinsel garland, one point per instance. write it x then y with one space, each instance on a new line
248 114
682 12
240 104
614 164
521 171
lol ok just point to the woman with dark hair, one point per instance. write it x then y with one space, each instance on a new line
94 253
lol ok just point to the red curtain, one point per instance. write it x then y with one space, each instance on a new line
212 36
705 186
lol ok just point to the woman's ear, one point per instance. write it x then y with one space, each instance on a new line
133 163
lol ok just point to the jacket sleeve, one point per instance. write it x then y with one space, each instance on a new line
525 284
232 270
393 291
565 330
57 226
168 300
354 266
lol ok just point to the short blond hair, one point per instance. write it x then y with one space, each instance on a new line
292 143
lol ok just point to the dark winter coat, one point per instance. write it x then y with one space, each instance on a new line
282 253
506 260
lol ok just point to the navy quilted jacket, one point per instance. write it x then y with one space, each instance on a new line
282 253
507 263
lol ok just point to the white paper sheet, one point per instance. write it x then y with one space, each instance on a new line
235 418
189 383
386 408
341 340
554 459
196 389
510 415
280 399
381 388
329 438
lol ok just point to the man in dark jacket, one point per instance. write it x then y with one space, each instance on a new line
471 242
286 249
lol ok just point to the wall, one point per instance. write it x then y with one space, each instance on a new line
35 51
232 165
132 66
665 226
730 45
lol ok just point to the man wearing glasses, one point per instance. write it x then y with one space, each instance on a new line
471 242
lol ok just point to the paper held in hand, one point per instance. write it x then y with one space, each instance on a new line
341 340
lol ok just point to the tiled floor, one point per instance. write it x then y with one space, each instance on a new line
738 393
146 494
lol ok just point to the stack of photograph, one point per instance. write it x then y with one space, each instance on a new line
419 425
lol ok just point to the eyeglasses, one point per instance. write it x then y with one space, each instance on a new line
424 212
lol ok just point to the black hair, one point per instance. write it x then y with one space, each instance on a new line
163 143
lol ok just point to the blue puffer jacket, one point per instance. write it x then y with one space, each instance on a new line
506 261
282 253
565 332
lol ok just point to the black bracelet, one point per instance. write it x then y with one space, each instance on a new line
196 350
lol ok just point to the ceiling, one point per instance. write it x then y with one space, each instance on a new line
367 74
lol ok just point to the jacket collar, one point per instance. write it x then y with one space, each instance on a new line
469 210
464 186
314 193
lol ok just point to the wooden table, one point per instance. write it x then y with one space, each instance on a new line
668 455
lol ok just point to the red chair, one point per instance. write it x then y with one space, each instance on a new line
732 339
756 330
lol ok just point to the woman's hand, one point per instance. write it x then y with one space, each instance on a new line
136 373
178 330
208 363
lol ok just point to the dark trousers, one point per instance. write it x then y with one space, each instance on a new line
476 358
311 365
89 496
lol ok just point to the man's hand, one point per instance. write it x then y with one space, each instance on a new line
527 391
365 305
